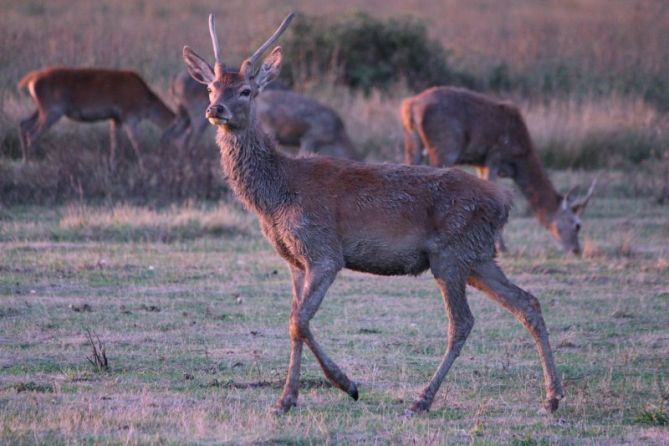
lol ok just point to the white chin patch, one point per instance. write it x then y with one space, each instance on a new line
217 122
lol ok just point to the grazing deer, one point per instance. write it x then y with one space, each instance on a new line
458 126
323 214
89 95
291 118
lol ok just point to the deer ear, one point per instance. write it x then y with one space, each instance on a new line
270 68
197 67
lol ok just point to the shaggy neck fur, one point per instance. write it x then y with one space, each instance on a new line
253 168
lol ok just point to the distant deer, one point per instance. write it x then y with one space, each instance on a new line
323 214
89 95
458 126
291 118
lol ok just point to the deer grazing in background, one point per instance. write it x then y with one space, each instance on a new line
291 118
90 95
458 126
324 214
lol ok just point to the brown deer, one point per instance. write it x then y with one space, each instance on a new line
458 126
291 118
323 214
89 95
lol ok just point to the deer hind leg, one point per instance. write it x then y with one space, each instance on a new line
317 280
452 283
490 279
413 147
444 140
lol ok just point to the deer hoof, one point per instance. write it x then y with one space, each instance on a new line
417 407
551 404
283 406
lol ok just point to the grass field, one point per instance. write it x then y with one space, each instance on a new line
191 305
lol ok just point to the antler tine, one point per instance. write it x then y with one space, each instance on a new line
583 201
250 62
214 39
591 189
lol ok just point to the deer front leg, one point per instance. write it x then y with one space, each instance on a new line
490 279
113 142
34 127
317 280
131 133
452 284
290 389
25 127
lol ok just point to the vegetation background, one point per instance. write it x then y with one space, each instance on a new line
191 304
590 75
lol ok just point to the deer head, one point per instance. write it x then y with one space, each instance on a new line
231 93
566 223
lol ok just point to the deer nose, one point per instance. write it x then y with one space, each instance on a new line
217 111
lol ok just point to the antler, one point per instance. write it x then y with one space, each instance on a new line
251 61
582 202
218 66
579 204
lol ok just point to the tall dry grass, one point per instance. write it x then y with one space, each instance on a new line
577 41
589 74
569 132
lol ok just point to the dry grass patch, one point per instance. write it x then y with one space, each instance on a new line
208 365
127 222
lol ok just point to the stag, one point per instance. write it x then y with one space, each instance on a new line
291 118
324 214
90 95
458 126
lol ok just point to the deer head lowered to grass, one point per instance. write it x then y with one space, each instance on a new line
458 126
90 95
324 214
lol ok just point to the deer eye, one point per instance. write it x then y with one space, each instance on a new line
208 90
245 92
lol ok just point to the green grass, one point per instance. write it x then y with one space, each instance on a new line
195 329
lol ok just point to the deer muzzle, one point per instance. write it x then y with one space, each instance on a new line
217 114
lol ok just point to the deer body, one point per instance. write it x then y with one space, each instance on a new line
323 214
458 126
291 118
89 95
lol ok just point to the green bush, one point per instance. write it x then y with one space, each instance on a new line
363 52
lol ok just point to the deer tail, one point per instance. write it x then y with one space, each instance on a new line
25 82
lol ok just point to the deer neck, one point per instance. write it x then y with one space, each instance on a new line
253 168
533 182
160 115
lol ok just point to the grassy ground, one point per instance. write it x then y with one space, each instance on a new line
191 305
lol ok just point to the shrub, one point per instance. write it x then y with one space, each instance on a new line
363 52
